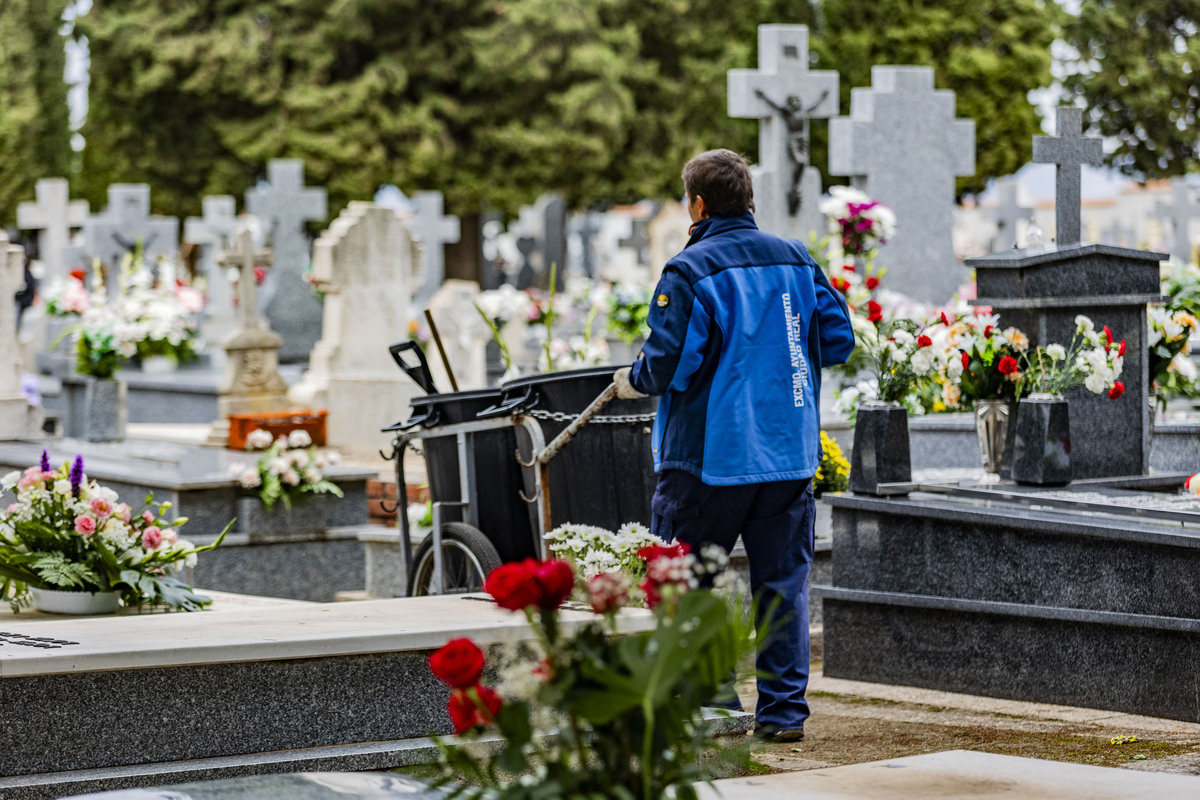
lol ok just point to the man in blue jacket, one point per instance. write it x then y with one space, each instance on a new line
741 324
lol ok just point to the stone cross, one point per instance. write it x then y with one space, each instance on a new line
213 232
585 226
903 146
17 418
284 206
434 231
1067 150
1181 210
243 257
783 94
53 216
639 238
125 222
1007 212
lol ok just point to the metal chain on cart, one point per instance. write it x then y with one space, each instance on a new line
618 419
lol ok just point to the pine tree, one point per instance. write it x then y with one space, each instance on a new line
34 125
1137 77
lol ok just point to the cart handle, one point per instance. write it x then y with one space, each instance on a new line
430 418
564 438
527 400
419 372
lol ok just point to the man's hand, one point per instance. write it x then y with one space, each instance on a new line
625 389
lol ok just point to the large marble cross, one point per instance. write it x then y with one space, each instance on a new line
53 215
284 206
125 223
1007 212
213 233
783 94
434 230
903 146
1181 210
1067 150
244 258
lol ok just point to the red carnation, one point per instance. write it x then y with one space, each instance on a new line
841 284
512 585
872 282
849 267
459 663
78 274
924 341
1116 391
556 580
1121 350
987 331
1108 334
874 311
1008 365
945 319
966 359
654 551
466 714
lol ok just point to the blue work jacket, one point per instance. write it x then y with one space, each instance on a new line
741 324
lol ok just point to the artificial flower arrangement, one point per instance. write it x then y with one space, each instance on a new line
1093 360
67 298
593 713
66 532
1168 335
163 309
977 360
833 473
286 469
861 223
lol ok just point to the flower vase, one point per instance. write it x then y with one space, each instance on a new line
57 601
1042 444
881 449
991 428
104 410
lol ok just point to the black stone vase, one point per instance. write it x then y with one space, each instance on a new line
881 453
1042 444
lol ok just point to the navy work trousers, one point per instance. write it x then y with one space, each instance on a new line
775 521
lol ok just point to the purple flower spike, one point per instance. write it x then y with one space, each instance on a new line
76 476
45 461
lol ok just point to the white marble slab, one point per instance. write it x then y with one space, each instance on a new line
273 631
960 774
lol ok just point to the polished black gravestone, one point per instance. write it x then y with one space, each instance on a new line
1085 596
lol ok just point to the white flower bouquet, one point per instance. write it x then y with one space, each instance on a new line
1093 360
287 468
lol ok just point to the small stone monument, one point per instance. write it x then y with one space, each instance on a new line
1041 289
251 382
367 265
784 94
18 419
903 146
434 230
284 206
125 223
464 335
540 232
668 235
1008 213
1180 211
213 233
53 216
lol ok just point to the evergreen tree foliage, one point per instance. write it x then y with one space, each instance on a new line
34 125
1137 77
991 53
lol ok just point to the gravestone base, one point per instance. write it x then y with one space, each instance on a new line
1075 597
19 419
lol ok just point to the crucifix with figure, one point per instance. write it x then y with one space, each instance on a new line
783 94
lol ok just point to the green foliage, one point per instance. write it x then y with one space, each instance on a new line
1137 78
991 53
34 134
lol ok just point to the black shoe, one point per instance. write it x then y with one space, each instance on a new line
769 732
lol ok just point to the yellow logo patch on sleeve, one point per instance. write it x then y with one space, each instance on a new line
663 300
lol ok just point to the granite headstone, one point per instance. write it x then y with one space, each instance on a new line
53 216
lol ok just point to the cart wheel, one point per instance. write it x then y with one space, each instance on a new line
467 558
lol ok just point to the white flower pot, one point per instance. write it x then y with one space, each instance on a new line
57 601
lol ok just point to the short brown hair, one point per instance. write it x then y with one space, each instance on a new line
722 178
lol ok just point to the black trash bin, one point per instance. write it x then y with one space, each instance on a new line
605 476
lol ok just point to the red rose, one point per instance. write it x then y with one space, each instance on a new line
1121 350
1008 365
966 359
459 663
654 551
465 712
556 581
1116 391
1108 334
874 311
872 282
924 341
945 319
512 585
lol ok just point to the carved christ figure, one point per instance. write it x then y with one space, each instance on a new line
795 120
